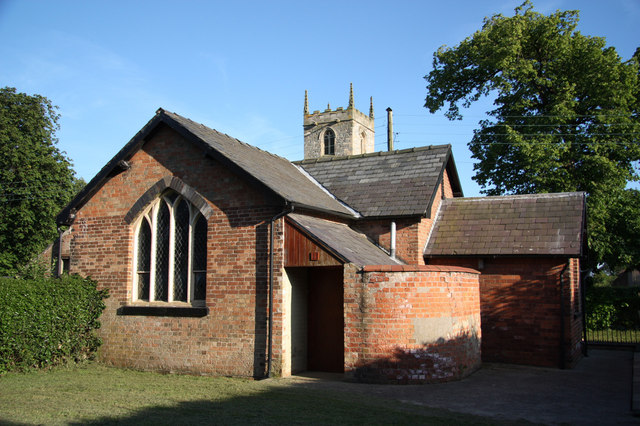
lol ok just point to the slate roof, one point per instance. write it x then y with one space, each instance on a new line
350 245
277 174
541 224
386 184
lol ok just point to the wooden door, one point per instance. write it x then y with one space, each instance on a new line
326 320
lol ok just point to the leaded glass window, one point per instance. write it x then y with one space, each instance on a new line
171 251
200 257
144 259
163 228
180 252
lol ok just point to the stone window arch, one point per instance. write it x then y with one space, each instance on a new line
170 252
329 142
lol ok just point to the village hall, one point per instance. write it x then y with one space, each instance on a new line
223 259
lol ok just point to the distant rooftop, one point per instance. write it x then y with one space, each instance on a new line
386 183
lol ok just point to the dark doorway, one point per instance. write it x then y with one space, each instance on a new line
325 320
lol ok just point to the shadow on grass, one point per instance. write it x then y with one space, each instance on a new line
282 405
8 423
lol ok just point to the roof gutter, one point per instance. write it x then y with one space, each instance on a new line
302 206
288 209
494 255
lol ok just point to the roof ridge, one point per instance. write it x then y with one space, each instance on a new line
371 154
248 145
516 196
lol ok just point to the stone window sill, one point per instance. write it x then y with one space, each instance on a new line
164 311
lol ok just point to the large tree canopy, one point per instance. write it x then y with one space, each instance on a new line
565 118
36 178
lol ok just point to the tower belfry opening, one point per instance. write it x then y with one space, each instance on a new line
338 132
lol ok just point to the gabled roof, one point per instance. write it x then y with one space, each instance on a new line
348 244
541 224
283 179
387 184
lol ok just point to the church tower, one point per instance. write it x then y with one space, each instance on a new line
340 132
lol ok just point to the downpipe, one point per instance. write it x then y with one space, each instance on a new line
59 263
583 303
563 352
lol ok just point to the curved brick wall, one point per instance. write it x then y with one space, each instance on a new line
411 324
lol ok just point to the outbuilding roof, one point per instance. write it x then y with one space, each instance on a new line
541 224
346 243
387 183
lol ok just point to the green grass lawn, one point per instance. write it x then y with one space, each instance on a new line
96 394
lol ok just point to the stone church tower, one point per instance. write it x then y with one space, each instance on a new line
340 132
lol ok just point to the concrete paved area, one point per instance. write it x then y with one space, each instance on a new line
598 391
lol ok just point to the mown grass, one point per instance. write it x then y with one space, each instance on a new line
96 394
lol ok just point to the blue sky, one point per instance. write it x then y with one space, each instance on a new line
242 67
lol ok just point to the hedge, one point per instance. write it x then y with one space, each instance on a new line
614 308
48 321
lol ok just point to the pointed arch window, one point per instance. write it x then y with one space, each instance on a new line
171 251
329 142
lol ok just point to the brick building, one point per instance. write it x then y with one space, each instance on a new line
221 258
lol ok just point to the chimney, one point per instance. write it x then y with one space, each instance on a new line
389 129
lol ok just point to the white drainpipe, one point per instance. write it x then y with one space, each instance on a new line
393 240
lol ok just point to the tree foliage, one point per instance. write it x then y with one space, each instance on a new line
36 178
566 115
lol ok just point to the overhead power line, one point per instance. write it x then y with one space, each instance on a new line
528 116
587 135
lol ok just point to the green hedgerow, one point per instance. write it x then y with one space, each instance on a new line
47 321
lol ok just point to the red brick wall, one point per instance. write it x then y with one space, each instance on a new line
231 339
521 309
411 324
573 318
407 232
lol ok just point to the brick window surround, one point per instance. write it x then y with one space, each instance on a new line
176 184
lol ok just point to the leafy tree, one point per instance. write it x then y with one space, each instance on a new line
36 178
566 116
620 219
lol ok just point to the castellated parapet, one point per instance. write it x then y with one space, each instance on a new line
354 131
